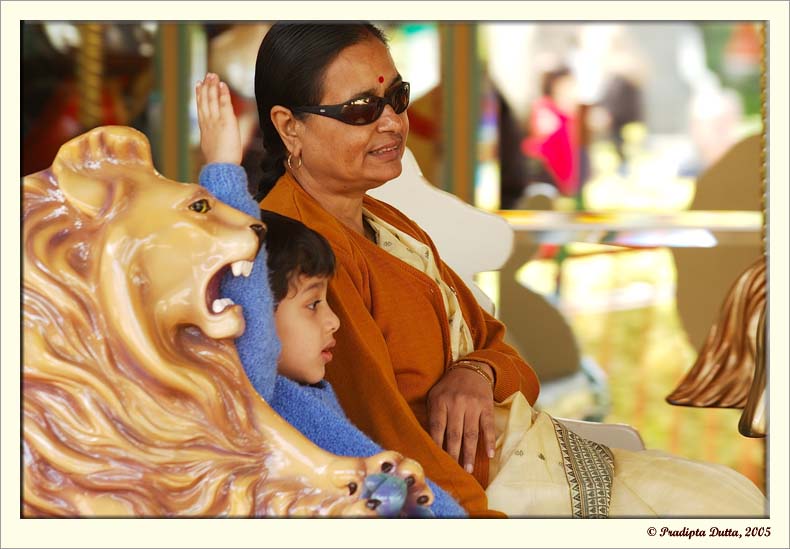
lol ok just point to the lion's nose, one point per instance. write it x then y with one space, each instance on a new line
260 231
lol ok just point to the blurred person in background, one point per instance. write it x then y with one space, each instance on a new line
553 133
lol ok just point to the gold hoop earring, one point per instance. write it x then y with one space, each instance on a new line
290 166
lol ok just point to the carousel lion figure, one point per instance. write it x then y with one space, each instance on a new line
135 402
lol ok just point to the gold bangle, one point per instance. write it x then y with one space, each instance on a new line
475 367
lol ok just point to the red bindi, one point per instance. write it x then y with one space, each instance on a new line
381 79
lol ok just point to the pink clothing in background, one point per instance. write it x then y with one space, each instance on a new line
553 139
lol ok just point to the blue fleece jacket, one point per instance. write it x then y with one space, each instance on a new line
312 409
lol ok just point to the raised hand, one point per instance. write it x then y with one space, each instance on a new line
220 138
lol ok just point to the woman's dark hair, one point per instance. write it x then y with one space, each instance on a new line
294 249
290 69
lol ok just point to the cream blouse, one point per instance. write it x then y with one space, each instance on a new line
419 255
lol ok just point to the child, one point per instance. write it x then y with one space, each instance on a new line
300 265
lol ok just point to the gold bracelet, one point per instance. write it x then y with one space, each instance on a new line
475 367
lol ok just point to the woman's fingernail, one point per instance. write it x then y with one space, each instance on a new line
469 468
490 454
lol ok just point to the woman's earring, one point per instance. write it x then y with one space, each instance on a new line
290 166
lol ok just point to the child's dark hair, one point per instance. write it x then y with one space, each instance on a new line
294 249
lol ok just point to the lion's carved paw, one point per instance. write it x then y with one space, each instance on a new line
389 484
395 486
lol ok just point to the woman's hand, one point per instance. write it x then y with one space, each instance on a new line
220 139
460 409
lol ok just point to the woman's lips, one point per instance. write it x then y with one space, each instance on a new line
387 152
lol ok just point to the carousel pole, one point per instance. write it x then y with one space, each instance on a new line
90 72
754 419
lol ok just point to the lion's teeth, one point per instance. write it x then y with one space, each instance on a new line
220 304
241 268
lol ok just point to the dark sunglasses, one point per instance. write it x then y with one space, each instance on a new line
363 110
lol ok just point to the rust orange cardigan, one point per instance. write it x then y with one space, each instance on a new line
393 342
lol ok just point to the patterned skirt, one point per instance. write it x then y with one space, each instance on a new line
543 469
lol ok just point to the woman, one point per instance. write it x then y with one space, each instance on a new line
394 369
418 365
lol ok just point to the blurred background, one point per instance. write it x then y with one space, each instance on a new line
626 158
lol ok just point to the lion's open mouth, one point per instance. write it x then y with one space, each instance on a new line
214 302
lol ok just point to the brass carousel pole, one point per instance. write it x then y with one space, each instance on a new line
90 71
754 419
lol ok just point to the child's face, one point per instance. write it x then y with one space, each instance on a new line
305 324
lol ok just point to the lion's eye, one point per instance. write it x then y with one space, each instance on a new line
200 206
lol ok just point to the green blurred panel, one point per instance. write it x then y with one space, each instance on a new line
461 74
172 99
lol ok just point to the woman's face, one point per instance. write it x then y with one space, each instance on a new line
345 159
